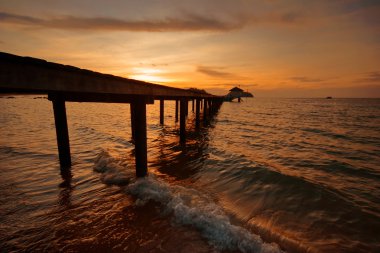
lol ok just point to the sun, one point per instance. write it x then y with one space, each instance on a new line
149 75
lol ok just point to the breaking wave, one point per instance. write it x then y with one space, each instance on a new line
113 171
187 206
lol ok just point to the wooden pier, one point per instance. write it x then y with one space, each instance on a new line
26 75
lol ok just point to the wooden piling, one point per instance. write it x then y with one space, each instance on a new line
139 108
62 132
192 105
210 107
182 122
176 110
161 111
197 113
186 108
205 111
133 125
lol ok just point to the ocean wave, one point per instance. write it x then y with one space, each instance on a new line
187 206
22 151
113 171
94 134
326 133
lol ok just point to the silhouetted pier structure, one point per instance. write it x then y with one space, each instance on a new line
26 75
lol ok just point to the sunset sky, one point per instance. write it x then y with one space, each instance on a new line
273 48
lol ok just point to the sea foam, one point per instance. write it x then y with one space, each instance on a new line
112 170
188 207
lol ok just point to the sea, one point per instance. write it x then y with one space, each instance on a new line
263 175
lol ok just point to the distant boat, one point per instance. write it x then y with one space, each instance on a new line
328 97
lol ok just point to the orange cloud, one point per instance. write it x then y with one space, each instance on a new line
187 22
214 72
371 77
305 79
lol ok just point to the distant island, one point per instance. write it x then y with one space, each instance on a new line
237 93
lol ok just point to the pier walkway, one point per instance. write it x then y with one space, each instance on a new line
26 75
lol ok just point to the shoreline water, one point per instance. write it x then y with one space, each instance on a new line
248 168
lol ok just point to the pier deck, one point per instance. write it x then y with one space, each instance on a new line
26 75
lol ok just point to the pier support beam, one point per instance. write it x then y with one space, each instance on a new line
192 105
205 110
133 125
161 111
186 107
176 110
61 131
139 108
182 122
197 113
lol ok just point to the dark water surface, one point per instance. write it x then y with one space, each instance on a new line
266 175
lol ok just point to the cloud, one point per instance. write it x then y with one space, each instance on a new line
230 85
365 11
371 77
291 17
282 18
187 22
246 86
214 72
305 79
355 5
183 21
